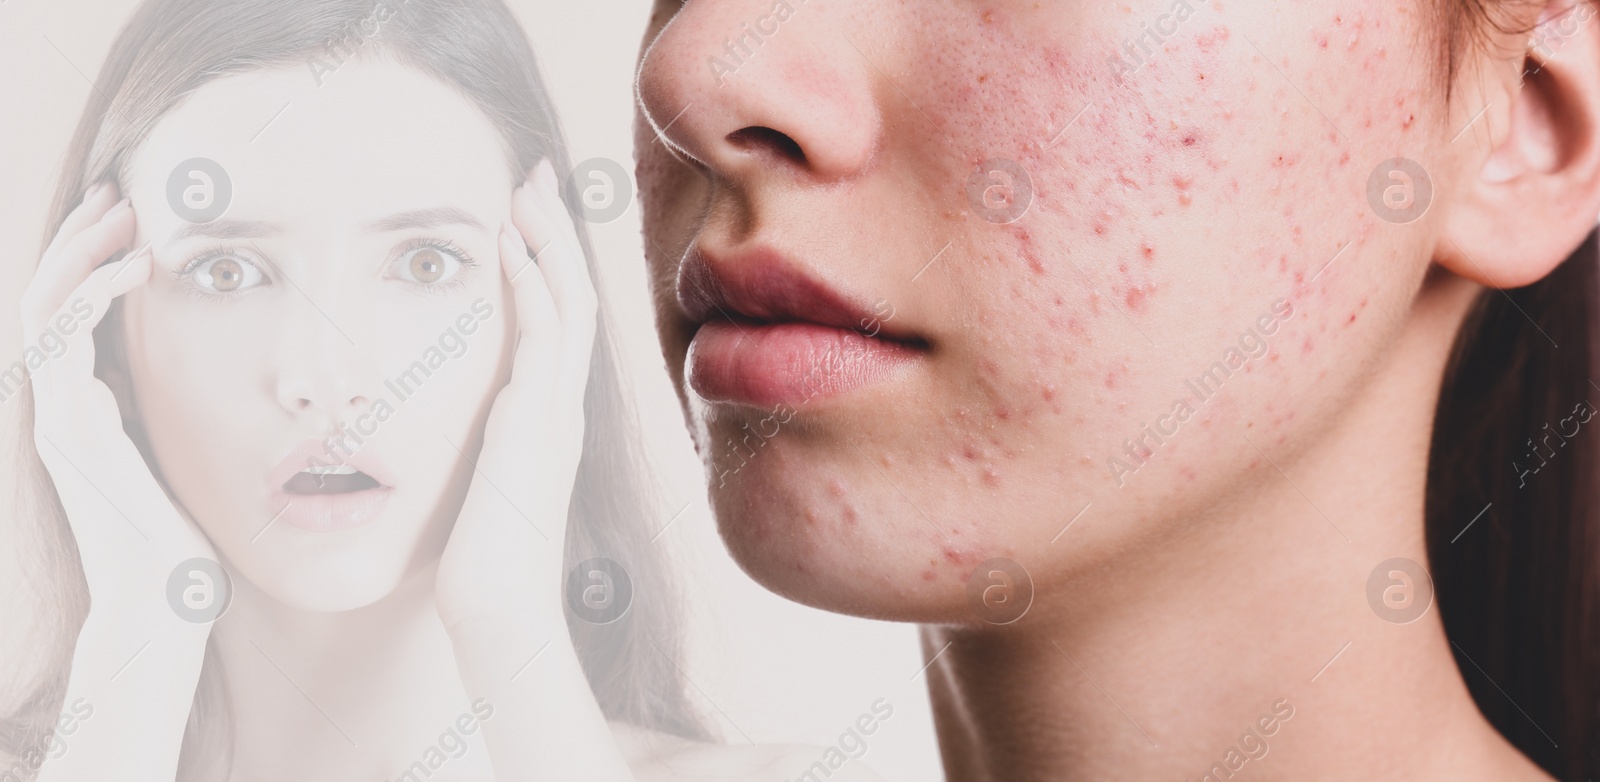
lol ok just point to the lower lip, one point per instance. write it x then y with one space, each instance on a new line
765 364
329 512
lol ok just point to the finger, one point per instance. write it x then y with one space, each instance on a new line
538 325
541 216
75 321
97 200
58 274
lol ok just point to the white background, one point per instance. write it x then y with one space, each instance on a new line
763 667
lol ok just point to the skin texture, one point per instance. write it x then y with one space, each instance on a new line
1219 188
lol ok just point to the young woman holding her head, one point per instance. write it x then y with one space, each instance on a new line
1254 342
304 335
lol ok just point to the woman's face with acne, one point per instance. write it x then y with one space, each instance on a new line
1105 256
349 289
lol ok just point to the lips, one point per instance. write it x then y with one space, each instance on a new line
771 334
322 489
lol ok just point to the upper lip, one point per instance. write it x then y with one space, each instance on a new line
763 286
299 458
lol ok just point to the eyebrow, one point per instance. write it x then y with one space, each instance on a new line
400 221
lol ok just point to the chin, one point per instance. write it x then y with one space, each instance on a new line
327 582
786 523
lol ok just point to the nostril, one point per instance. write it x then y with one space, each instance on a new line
769 140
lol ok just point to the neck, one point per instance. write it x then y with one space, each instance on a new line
357 694
1244 641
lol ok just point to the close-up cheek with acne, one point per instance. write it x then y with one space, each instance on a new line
1186 198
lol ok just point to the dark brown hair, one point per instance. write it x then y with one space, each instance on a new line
1517 588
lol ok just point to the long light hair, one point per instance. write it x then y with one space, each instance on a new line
168 50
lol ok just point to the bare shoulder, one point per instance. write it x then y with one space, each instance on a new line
659 757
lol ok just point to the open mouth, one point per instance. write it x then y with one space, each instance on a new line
337 479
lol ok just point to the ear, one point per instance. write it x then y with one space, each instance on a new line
1532 194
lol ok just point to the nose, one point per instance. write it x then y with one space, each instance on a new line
748 87
322 371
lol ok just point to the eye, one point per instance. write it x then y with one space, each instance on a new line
224 273
430 263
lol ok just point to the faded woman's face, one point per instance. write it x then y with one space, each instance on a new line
935 277
324 329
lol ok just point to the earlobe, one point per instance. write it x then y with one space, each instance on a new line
1530 192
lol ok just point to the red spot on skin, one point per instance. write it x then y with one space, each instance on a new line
1026 248
969 452
1002 413
1148 250
1305 347
1111 379
1209 41
836 487
990 476
929 575
1136 297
